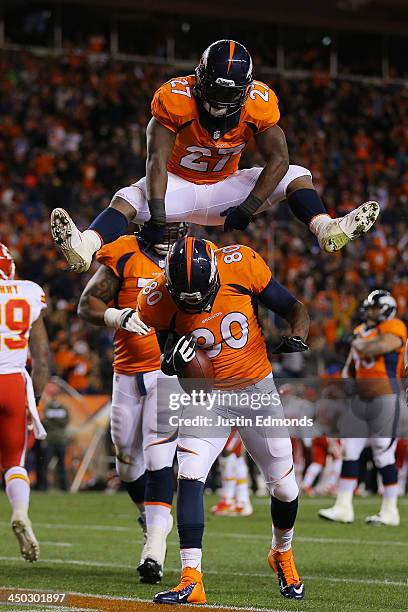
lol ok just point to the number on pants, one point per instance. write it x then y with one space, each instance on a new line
226 324
16 317
193 160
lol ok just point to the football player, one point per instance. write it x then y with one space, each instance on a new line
199 127
22 327
129 264
207 298
375 361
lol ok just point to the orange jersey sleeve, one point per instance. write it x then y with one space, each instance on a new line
262 107
244 266
110 254
172 104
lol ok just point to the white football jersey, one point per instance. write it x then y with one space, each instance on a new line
21 303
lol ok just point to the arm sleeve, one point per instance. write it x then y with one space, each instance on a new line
277 298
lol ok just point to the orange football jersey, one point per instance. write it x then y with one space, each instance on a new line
229 332
198 157
128 262
377 375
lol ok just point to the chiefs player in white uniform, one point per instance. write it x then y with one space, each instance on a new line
21 327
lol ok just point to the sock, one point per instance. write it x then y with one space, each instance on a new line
110 224
282 539
312 473
191 557
229 481
190 521
283 513
18 488
159 497
93 239
389 475
334 472
136 490
242 486
307 206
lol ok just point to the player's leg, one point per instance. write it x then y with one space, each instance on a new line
128 204
229 481
243 506
159 450
126 432
13 440
342 511
319 452
195 458
384 459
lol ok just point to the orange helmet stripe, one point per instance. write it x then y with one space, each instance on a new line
231 53
189 256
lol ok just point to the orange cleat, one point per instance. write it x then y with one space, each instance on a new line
189 591
223 508
283 564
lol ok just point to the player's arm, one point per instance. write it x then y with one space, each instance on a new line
278 299
39 349
94 302
382 344
348 370
271 143
160 144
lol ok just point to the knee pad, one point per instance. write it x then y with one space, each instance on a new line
383 452
286 489
133 196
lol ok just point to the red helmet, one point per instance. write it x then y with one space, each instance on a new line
7 266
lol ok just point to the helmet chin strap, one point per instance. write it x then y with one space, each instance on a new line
215 112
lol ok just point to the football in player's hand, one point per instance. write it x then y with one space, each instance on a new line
197 374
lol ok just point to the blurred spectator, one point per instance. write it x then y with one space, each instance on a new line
56 419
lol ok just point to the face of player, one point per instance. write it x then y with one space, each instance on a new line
373 315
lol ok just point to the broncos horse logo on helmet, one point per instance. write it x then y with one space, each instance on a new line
224 77
192 274
7 265
382 301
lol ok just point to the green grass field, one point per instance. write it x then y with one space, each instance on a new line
90 543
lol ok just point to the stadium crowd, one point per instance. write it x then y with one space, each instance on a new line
72 132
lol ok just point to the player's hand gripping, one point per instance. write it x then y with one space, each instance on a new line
291 344
239 217
153 232
176 358
127 319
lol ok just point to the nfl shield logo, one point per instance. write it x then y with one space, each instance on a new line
216 135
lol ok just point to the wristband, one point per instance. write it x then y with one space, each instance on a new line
111 317
250 205
157 211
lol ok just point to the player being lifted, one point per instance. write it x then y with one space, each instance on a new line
21 327
143 463
376 362
208 297
200 125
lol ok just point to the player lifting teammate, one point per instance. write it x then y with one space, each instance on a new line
207 298
200 125
21 327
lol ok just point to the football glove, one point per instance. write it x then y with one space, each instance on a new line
290 344
126 319
176 358
239 217
153 232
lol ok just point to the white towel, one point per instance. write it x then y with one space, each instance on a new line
39 430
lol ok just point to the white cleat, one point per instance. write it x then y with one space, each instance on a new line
241 509
22 529
338 514
69 239
336 234
384 517
154 551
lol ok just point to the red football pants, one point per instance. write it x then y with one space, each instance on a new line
13 420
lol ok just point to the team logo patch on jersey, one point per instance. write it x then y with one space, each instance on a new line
216 135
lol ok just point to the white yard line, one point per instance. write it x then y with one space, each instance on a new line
236 536
89 563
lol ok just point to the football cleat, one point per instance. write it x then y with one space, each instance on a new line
190 590
283 564
308 491
22 529
338 514
336 234
73 244
384 517
242 509
151 564
223 508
